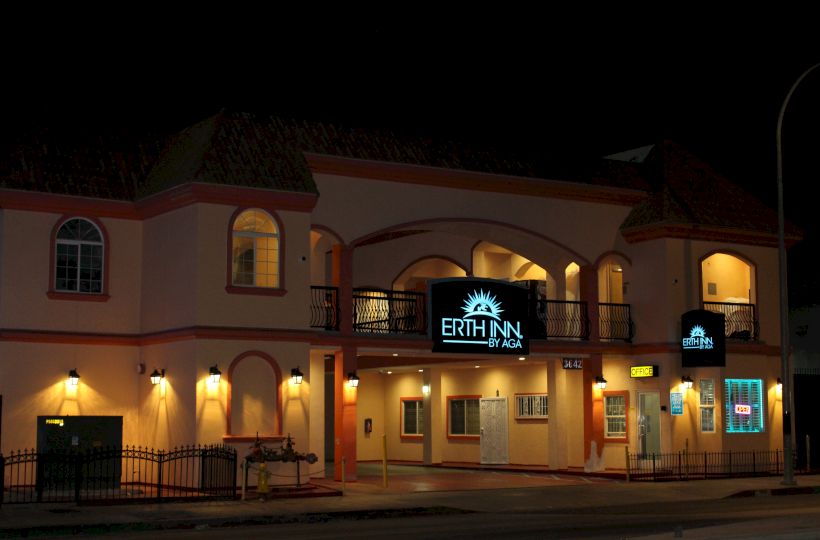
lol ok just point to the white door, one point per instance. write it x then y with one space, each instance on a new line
494 440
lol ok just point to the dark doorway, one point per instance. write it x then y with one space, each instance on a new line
806 421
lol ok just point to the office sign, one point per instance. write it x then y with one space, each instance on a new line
743 409
478 316
703 339
640 372
676 403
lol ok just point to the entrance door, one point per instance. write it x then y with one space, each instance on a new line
649 423
494 440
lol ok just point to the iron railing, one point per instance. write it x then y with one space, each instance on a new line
615 321
378 311
324 307
119 474
741 320
561 319
685 465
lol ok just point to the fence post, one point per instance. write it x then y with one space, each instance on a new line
680 468
40 479
626 453
78 474
808 453
754 463
160 455
730 463
653 468
705 465
233 473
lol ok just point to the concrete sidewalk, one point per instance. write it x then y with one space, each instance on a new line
363 500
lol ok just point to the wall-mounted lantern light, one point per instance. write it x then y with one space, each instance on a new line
352 380
73 377
779 383
425 389
157 376
600 382
687 382
296 376
214 374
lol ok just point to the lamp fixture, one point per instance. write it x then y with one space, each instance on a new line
296 376
779 383
600 382
352 380
425 389
73 377
687 381
157 376
214 374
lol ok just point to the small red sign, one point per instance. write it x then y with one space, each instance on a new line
743 409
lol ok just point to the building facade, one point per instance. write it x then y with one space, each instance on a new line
265 249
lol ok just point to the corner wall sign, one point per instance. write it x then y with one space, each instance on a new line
703 339
478 316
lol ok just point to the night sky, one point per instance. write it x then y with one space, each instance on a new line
524 84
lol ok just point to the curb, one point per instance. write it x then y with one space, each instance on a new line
225 522
797 490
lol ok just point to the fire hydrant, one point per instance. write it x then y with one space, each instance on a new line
262 480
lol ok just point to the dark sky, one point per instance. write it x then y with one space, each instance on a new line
543 85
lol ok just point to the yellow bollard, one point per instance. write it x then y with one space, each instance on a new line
262 480
343 475
384 461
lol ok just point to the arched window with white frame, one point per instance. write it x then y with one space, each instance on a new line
79 251
255 250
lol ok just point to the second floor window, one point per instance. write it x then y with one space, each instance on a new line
255 250
79 257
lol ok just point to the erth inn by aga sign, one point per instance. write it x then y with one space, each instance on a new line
478 316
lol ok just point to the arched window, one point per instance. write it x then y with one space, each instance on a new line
79 256
255 253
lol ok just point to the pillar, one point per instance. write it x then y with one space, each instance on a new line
343 280
593 405
434 428
344 414
589 293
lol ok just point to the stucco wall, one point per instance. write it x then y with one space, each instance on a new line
26 255
33 383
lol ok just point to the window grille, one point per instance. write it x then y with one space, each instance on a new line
531 406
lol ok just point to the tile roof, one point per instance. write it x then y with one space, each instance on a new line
258 150
686 191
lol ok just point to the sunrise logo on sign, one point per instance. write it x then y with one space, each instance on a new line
697 339
481 324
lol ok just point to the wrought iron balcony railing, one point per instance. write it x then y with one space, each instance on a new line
378 311
324 307
615 321
741 320
560 319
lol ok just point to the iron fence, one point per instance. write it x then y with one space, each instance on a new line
324 307
685 465
561 319
615 321
741 321
389 312
119 474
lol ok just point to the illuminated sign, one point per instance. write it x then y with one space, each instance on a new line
743 409
479 316
55 422
638 372
572 363
676 403
703 341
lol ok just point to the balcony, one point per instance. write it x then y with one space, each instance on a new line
741 319
562 319
379 311
615 322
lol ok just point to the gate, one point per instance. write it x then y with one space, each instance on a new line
119 474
